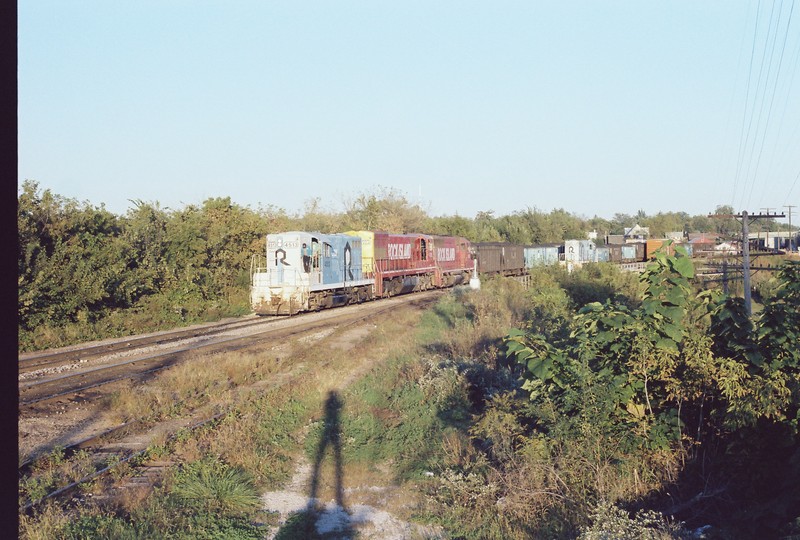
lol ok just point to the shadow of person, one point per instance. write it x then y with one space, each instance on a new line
330 437
321 520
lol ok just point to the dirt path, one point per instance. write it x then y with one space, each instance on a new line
365 512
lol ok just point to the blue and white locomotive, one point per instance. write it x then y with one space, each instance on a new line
309 271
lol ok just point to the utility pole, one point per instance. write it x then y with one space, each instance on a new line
748 302
791 231
766 242
725 276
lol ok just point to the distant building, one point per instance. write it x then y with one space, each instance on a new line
731 248
775 240
676 236
636 233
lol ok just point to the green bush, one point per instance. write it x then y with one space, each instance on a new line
214 487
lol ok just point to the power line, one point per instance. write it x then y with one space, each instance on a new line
763 96
784 109
772 98
789 194
724 153
746 100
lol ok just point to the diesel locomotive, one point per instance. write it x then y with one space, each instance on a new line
311 271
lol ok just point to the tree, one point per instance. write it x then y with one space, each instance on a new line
387 210
685 373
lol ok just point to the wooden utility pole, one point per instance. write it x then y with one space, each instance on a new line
725 276
766 241
791 231
748 302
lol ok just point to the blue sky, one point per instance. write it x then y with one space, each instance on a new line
593 107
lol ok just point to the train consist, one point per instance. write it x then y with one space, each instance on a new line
311 271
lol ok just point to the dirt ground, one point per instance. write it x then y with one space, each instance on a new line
365 509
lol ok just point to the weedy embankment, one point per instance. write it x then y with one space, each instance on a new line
274 398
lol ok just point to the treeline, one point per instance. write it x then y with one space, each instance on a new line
86 273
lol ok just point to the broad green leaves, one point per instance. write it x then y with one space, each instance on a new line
656 359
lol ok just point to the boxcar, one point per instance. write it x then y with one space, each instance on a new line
500 258
654 245
615 252
629 253
579 251
541 255
602 254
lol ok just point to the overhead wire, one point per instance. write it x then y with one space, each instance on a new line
789 193
746 100
772 99
784 110
757 96
724 157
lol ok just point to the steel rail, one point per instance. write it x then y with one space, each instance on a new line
349 320
30 362
167 358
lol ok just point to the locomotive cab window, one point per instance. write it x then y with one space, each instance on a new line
422 249
315 253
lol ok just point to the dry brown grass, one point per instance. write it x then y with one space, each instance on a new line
45 525
270 396
195 382
284 402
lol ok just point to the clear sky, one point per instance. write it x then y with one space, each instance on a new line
593 107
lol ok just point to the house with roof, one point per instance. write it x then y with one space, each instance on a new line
675 236
636 233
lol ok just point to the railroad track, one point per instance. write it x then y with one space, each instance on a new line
110 449
32 363
82 370
106 457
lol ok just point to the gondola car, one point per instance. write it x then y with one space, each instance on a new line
309 271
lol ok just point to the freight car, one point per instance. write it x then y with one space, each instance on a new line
626 253
542 254
579 251
500 258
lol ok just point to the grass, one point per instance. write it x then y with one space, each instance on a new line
197 381
53 471
215 487
408 391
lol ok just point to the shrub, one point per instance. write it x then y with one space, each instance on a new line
610 522
213 486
